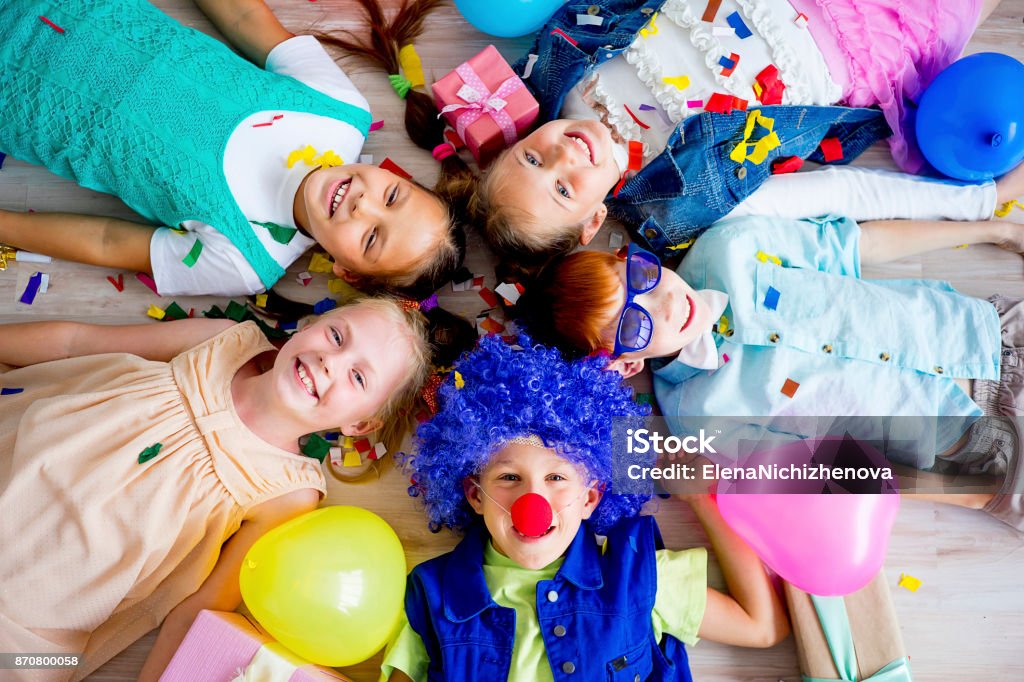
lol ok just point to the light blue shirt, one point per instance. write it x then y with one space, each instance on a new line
855 347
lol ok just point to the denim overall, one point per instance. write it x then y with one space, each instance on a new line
595 615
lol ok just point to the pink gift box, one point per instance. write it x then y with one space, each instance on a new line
486 103
221 644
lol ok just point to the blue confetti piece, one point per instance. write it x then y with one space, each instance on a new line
647 107
727 63
32 289
736 22
771 298
632 543
288 326
2 157
323 305
332 435
10 391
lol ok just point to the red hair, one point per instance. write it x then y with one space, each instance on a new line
574 302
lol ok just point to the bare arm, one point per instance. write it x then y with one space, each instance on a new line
34 342
249 25
882 241
220 590
94 240
752 613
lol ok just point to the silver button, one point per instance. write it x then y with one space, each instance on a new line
552 596
741 172
939 370
559 631
773 337
647 11
827 348
650 233
593 10
568 667
884 357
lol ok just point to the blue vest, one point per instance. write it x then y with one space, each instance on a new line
693 182
603 600
129 102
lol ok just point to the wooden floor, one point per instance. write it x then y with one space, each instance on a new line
965 623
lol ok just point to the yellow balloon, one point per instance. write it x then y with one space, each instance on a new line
329 585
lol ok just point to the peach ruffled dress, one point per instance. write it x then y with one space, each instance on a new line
96 548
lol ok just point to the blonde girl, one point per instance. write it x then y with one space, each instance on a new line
139 463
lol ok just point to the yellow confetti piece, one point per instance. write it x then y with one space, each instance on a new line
327 160
758 90
155 313
261 300
679 82
1005 209
352 459
651 29
460 383
961 246
909 582
347 443
767 257
742 151
178 230
320 263
305 155
723 324
411 65
762 147
685 245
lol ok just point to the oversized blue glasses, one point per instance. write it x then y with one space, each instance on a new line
643 272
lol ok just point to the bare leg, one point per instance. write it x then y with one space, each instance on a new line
978 490
94 240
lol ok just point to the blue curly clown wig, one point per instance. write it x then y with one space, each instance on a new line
511 393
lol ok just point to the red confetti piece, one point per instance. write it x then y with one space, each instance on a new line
618 187
719 103
771 87
735 60
789 388
268 123
725 358
118 283
376 125
362 446
489 297
636 155
638 121
454 138
52 25
711 10
389 165
562 33
832 149
739 104
148 281
790 164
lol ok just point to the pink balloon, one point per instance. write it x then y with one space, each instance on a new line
825 544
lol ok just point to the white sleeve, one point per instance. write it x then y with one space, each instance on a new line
219 269
305 59
868 194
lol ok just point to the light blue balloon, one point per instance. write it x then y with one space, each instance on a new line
508 18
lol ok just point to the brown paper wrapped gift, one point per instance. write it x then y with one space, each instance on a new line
876 634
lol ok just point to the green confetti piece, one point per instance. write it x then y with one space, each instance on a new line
316 447
193 255
645 398
149 453
236 311
174 312
279 233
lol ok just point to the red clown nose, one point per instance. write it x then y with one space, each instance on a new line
531 515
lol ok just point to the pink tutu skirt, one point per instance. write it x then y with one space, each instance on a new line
885 53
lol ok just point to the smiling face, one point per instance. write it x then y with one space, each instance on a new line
371 221
679 315
342 369
560 174
520 468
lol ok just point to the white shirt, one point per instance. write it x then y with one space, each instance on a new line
258 177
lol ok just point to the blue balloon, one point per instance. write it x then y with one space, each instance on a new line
508 18
970 120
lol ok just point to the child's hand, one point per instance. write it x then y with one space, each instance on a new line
1011 234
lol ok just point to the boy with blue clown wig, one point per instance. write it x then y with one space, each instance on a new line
519 458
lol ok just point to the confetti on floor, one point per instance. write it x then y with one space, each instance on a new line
909 582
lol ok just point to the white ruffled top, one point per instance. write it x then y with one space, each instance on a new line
684 45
